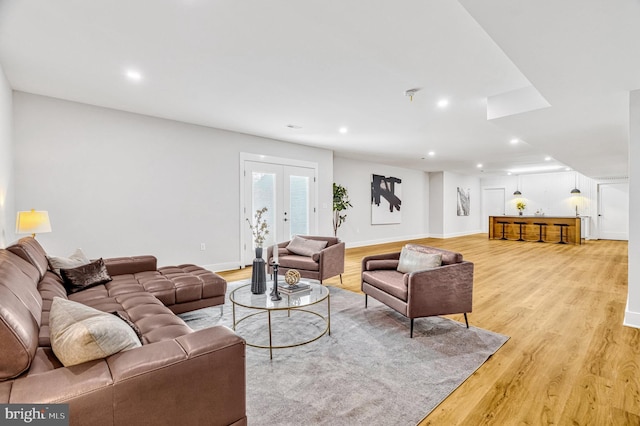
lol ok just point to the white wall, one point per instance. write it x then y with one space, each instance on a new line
550 193
120 184
632 314
436 201
443 201
358 230
7 192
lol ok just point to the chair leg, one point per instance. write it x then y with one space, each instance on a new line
340 279
411 334
366 299
466 320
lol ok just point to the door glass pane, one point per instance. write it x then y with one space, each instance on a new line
264 195
299 205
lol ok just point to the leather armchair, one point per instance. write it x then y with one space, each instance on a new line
443 290
327 263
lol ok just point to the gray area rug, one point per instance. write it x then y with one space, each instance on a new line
368 371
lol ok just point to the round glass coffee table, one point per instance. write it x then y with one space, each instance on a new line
295 302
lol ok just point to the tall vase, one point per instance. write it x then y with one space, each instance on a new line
258 276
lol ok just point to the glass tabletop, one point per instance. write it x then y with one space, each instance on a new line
242 296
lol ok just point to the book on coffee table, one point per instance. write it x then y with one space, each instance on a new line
300 287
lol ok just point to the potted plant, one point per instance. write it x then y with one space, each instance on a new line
340 203
520 205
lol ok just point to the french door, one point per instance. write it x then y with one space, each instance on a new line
288 193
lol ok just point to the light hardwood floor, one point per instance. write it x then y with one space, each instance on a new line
569 360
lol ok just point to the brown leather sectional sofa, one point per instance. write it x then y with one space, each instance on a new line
178 376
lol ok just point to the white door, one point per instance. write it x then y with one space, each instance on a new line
288 193
613 211
493 203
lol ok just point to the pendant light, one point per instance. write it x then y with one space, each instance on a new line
517 192
575 190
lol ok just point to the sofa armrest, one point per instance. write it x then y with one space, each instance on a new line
331 260
198 378
204 382
380 261
130 265
440 291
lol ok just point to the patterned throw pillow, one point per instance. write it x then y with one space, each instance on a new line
304 247
80 333
85 276
78 258
413 261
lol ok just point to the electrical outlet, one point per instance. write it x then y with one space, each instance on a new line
203 246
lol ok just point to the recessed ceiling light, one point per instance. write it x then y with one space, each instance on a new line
442 103
343 130
133 75
514 141
479 165
547 158
431 153
509 173
568 169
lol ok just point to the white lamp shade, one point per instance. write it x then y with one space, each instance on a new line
33 222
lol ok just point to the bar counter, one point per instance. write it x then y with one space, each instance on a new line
531 232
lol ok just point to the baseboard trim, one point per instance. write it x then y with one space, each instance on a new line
218 267
385 240
457 234
631 319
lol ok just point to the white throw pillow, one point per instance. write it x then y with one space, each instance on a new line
304 247
78 258
413 261
80 333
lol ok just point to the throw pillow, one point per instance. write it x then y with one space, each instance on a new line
80 333
124 317
413 261
78 258
304 247
85 276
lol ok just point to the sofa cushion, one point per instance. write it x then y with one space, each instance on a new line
85 276
20 315
80 333
30 250
389 281
414 261
304 247
448 257
77 258
299 262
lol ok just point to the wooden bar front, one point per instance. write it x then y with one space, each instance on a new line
530 232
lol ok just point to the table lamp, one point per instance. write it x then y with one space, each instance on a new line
33 222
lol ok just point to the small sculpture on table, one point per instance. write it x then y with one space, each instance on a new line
292 277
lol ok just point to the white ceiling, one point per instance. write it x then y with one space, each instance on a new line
257 66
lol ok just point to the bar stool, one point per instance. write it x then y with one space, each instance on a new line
562 226
503 224
520 223
540 240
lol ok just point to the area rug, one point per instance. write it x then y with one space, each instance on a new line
367 372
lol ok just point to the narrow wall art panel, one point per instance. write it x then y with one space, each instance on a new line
463 202
385 200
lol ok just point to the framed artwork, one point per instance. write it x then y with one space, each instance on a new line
386 193
463 202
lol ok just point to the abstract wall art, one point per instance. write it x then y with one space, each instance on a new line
386 193
463 202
